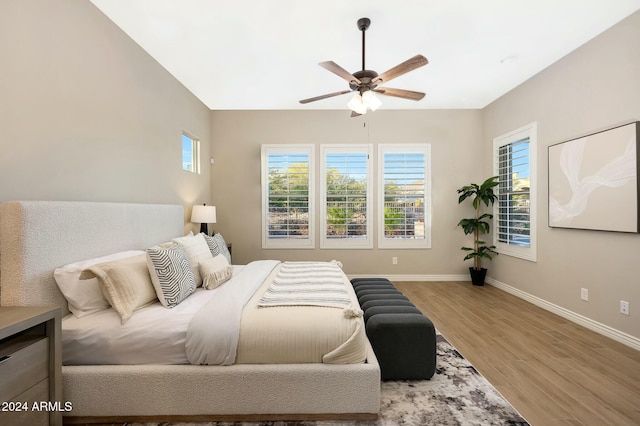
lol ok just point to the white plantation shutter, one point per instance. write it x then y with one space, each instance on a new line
514 211
405 199
287 196
345 196
514 196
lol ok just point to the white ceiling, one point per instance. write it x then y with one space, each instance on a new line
250 54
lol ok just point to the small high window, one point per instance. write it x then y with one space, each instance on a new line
190 153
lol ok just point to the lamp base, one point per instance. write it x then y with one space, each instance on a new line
204 228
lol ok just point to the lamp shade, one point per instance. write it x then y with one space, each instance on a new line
203 214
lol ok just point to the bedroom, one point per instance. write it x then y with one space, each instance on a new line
80 72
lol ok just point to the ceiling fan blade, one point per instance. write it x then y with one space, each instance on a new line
328 95
403 68
339 71
399 93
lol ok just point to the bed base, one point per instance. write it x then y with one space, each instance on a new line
38 236
239 390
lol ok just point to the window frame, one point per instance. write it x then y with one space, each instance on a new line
404 243
195 152
527 253
288 243
346 243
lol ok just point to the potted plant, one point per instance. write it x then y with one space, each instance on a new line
478 225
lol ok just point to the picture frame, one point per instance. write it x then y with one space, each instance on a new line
594 181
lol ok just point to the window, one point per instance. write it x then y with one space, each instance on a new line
190 153
405 196
514 230
287 196
346 202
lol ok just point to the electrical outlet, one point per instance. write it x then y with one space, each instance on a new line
624 307
584 294
394 260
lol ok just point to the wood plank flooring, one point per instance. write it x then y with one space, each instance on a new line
553 371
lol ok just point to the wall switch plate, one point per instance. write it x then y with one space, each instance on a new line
394 260
584 294
624 307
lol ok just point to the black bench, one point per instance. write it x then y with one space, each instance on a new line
403 339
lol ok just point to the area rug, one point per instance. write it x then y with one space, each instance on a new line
457 395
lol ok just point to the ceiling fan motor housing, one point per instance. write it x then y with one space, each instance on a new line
365 77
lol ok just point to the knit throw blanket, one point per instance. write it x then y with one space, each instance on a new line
307 284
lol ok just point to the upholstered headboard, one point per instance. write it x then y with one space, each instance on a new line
38 236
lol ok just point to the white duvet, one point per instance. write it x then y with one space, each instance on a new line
157 335
213 332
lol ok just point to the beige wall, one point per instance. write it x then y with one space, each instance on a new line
594 88
456 148
86 114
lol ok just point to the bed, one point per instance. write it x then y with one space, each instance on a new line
36 237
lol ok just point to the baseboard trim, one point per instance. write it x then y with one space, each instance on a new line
596 326
448 277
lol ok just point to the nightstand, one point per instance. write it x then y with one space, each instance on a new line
30 366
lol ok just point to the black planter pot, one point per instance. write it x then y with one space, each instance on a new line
478 275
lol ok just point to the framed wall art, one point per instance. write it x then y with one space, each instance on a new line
594 181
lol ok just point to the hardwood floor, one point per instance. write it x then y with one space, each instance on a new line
553 371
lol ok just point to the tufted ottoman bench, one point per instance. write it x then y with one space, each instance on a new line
403 339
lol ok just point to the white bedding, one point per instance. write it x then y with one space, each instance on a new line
157 335
100 338
214 331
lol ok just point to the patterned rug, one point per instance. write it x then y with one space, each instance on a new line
457 395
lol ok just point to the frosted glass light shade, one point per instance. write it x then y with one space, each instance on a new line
370 100
356 104
361 103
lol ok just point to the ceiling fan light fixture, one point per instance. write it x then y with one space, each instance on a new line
361 103
357 105
370 100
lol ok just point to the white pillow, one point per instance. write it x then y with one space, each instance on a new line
197 250
126 284
215 271
81 287
171 274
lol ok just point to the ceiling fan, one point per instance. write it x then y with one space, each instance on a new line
367 81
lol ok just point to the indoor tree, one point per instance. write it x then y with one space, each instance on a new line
478 225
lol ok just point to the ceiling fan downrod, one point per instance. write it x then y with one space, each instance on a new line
363 24
365 76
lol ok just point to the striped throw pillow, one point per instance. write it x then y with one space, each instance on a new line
217 245
171 274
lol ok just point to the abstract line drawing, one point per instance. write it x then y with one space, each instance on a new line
593 181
